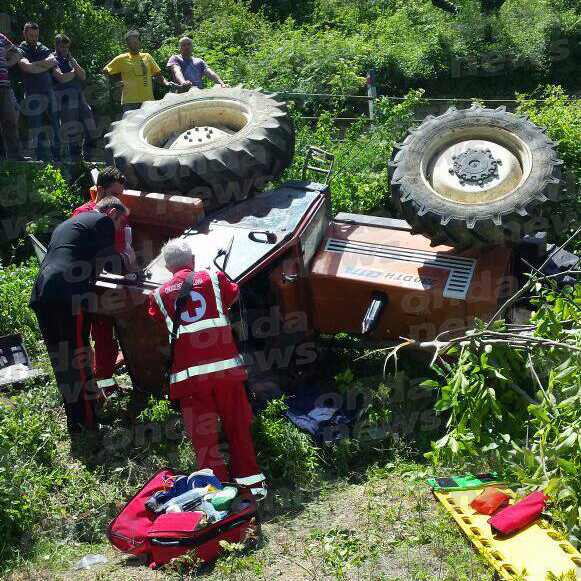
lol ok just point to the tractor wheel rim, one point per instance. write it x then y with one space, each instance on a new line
476 165
196 136
195 124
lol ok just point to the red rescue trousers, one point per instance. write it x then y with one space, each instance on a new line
227 401
106 348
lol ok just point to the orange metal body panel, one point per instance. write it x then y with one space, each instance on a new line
342 284
357 256
154 219
143 341
157 217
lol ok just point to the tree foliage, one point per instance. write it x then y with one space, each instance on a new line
328 45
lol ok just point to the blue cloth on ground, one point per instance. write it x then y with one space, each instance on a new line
317 413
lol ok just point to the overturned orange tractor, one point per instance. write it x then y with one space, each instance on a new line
472 181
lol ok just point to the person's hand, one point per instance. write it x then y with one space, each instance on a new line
51 59
187 84
130 259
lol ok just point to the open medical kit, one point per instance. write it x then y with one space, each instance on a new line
174 514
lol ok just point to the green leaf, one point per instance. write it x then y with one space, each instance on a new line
429 383
568 443
442 441
565 494
529 458
454 446
553 485
567 466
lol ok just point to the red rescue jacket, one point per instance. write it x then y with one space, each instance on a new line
205 351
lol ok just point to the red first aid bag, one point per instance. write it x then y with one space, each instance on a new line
519 515
136 530
489 501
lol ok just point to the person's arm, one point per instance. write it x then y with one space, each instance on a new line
154 312
118 263
208 72
228 288
62 77
161 80
112 73
38 66
107 257
155 72
78 69
179 76
13 55
115 80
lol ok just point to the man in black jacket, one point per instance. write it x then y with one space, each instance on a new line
79 250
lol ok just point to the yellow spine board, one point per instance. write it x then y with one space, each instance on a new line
529 554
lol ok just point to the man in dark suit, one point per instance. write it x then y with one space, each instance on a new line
79 250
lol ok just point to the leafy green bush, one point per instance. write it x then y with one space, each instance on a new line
34 197
359 182
287 455
329 45
16 283
38 198
27 451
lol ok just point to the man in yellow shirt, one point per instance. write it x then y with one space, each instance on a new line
136 70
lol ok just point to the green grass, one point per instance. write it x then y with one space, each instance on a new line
366 531
59 498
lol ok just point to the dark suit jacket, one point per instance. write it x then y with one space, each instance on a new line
79 250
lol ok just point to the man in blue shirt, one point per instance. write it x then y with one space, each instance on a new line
39 106
188 71
76 115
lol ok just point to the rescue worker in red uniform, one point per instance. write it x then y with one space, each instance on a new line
110 182
207 375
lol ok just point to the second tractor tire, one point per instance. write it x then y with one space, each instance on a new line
478 218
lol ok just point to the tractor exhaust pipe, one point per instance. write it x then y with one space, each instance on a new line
378 303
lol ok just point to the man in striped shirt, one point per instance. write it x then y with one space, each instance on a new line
9 55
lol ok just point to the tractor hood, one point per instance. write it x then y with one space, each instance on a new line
252 232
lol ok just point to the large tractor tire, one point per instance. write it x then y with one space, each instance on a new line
475 177
215 144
